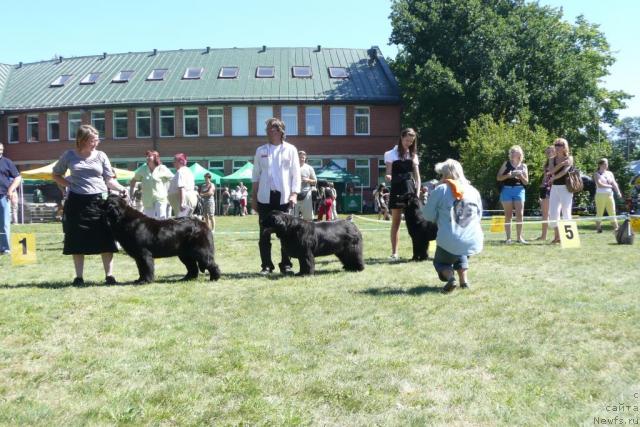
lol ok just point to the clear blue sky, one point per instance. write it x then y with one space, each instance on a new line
39 29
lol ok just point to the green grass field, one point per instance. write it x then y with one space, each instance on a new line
546 336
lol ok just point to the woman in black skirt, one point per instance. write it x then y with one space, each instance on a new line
85 233
403 172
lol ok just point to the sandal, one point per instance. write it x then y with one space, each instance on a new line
554 241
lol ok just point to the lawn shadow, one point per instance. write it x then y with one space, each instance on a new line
373 261
387 291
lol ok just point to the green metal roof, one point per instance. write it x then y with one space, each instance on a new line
27 86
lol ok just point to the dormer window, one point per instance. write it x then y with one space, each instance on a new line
122 77
193 73
90 79
338 73
263 72
228 73
158 74
301 71
60 81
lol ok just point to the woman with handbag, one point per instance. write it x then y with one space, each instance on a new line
605 186
514 175
560 199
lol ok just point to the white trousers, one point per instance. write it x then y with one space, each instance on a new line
560 201
306 207
158 210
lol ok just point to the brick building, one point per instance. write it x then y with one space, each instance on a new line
337 104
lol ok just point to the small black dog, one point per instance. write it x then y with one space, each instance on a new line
420 230
306 240
145 238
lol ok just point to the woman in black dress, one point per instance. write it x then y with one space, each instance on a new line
402 171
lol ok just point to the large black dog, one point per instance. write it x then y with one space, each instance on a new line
420 230
306 240
145 238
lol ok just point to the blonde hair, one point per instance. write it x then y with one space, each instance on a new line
517 149
84 133
451 169
564 142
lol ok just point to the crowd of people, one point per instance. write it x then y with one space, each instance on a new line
282 180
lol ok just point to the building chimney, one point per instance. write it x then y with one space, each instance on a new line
104 55
264 48
208 49
59 59
319 48
155 52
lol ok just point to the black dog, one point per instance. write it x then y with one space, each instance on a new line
306 240
420 230
145 238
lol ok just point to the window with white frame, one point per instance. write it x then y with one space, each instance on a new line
216 166
60 81
338 120
290 119
193 73
237 164
143 123
362 170
97 121
315 163
338 73
228 72
240 121
14 130
157 74
313 120
90 79
167 122
215 116
33 128
53 127
122 76
191 121
301 71
263 113
265 72
74 122
120 124
361 120
382 171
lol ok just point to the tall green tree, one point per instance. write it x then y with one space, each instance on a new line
459 59
627 137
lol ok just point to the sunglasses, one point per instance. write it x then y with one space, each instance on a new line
558 145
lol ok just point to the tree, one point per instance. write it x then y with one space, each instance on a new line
627 137
460 59
486 148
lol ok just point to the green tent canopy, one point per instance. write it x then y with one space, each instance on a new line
334 173
244 175
199 172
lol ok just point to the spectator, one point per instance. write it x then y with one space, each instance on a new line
455 206
308 180
244 194
154 178
605 186
226 200
560 199
545 190
514 175
326 206
91 175
380 202
15 204
9 181
236 195
207 192
181 193
334 202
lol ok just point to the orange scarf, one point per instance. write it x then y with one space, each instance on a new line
456 188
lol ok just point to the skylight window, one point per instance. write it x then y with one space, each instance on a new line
301 71
338 73
122 77
265 72
228 72
90 79
193 73
60 81
158 74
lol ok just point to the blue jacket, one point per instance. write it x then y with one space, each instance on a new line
458 219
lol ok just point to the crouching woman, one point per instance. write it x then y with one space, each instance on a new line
455 206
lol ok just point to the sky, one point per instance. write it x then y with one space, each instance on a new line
40 29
